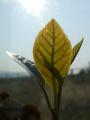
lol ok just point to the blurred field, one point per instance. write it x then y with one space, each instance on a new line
75 95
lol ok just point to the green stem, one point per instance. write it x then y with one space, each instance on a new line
46 96
59 97
55 116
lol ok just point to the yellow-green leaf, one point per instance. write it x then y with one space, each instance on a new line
76 50
52 46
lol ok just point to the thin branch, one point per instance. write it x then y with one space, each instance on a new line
59 97
46 96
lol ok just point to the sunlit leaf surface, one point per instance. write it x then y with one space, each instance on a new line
52 46
76 50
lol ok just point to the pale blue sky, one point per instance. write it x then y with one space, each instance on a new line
18 28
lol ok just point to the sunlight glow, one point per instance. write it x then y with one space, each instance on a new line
34 7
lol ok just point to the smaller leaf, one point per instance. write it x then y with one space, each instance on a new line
27 64
76 50
31 67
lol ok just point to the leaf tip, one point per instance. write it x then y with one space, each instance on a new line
9 53
53 20
82 39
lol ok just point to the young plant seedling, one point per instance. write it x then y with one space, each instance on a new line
53 56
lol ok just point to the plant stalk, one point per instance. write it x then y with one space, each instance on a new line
55 115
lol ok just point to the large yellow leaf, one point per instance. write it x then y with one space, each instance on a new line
76 50
52 46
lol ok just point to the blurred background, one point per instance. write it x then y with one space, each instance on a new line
20 22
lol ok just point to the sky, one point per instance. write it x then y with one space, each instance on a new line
21 20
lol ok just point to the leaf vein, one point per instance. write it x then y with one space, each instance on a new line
61 56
